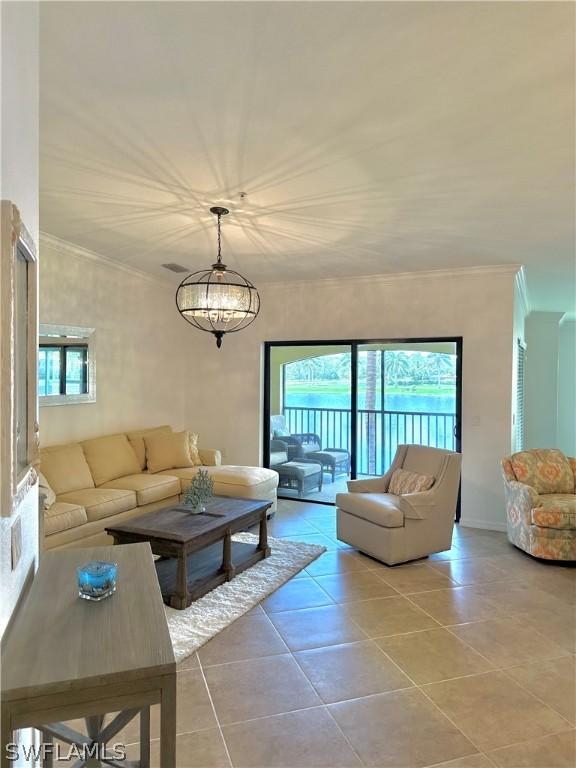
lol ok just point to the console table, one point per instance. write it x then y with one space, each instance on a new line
67 658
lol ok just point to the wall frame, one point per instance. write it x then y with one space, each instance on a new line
19 442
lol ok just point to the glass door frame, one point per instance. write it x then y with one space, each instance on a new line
354 344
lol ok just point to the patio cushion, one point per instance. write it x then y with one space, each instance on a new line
556 510
148 488
378 508
62 516
546 470
101 502
110 457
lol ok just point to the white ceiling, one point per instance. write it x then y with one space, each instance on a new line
367 137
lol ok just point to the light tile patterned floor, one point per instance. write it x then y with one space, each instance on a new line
464 660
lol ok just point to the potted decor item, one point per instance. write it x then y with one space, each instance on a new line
199 491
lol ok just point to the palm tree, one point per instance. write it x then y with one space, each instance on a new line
397 365
371 371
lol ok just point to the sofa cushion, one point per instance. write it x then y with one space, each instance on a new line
227 475
62 516
110 457
66 469
148 488
556 510
546 470
378 508
167 450
101 502
45 489
136 440
403 481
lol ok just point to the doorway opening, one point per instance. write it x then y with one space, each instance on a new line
337 410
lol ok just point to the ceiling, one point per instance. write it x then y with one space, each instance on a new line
346 138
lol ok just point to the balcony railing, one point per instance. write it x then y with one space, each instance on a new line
379 432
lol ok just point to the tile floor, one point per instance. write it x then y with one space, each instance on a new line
463 660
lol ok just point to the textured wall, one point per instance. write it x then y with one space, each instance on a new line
541 391
19 183
478 305
567 387
144 350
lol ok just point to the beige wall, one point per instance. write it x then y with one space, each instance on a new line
144 350
541 390
152 367
550 381
19 183
567 386
475 304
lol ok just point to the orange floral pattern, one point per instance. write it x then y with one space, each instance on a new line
543 524
556 510
548 470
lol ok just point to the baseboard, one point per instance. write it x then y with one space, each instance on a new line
484 524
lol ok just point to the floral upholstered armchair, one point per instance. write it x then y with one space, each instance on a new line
541 503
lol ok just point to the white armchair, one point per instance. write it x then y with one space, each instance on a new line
398 528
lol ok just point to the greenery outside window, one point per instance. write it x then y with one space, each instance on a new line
62 369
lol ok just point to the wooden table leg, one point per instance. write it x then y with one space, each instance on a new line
7 738
145 737
263 542
180 599
168 723
227 564
47 739
93 728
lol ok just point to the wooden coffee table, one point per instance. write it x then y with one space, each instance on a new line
196 552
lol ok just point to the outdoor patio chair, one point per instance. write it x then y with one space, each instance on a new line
309 445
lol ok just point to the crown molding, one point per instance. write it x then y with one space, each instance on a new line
522 291
510 270
71 249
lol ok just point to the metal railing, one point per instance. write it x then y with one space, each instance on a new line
379 432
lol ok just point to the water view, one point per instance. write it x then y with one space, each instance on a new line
419 403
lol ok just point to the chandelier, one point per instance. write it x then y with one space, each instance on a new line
218 300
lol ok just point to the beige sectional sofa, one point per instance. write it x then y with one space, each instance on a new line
89 485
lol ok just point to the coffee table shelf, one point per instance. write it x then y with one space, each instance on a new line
204 569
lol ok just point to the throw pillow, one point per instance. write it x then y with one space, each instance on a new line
194 454
546 470
136 440
403 482
167 450
46 491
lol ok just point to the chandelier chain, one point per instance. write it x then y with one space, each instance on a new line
219 257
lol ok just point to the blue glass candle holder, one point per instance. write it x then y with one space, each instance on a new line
96 580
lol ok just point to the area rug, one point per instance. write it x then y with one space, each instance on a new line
194 626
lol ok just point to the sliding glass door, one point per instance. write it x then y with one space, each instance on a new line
336 411
310 418
407 393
